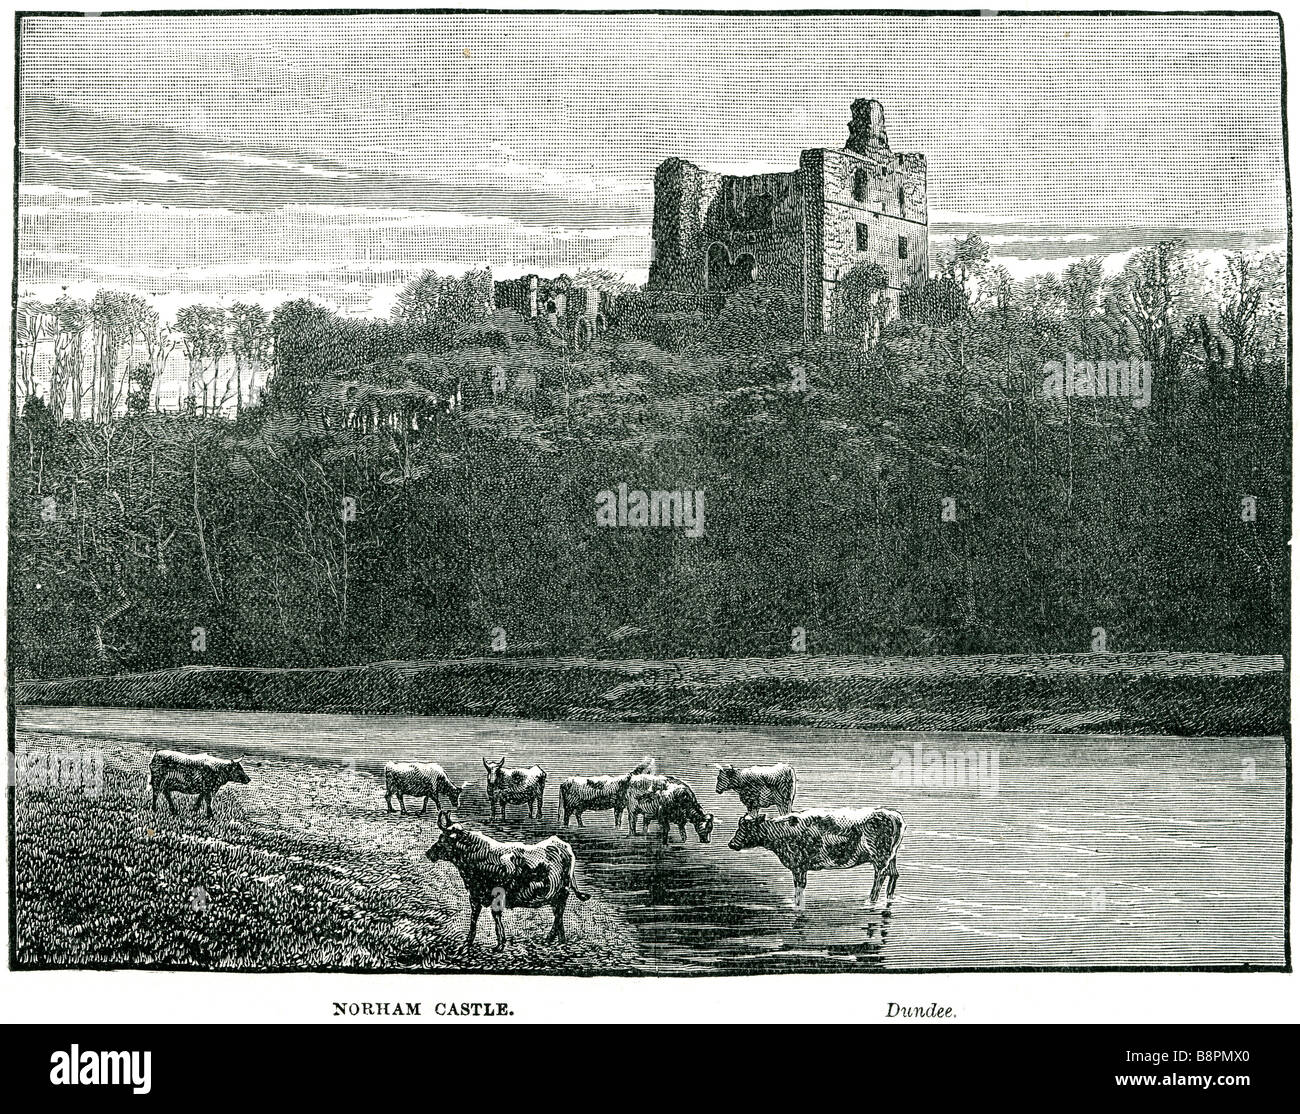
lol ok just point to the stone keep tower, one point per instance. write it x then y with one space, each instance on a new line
796 232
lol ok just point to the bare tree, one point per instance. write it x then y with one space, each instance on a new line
71 318
1153 296
35 323
1250 292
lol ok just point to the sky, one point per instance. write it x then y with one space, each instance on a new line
246 157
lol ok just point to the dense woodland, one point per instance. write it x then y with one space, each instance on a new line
425 486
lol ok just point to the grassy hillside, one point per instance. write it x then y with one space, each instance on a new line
1158 693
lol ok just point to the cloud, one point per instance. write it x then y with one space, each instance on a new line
57 156
337 254
44 190
359 215
507 162
284 164
139 174
191 171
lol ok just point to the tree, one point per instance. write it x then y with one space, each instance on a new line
963 261
1251 296
604 280
141 378
35 320
1081 290
71 318
935 302
303 336
1153 296
435 306
250 342
160 341
203 339
115 317
862 308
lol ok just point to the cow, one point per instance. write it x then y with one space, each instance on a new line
598 793
760 787
199 774
419 779
526 785
668 800
501 876
828 839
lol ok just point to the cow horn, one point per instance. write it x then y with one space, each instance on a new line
487 766
444 820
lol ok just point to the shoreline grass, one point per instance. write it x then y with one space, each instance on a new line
290 874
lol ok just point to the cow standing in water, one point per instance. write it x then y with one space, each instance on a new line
199 774
598 793
525 785
760 787
828 839
668 800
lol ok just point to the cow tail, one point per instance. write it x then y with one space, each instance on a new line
573 885
898 839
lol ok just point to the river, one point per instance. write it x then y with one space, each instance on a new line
1082 851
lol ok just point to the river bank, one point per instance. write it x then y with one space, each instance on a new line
302 869
1185 694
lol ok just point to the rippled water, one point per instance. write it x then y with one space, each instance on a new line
1092 852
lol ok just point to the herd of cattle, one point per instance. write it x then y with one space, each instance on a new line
500 876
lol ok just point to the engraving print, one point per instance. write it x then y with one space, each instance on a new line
719 494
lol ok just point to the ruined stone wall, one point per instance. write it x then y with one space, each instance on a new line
518 294
812 175
798 232
880 191
683 196
700 215
759 217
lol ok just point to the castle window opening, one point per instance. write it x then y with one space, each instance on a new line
755 215
864 236
902 247
861 184
722 274
900 199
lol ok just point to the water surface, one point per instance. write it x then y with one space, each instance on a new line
1092 852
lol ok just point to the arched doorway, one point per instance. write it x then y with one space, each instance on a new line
723 274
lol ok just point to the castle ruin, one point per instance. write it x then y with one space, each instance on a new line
578 313
796 232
